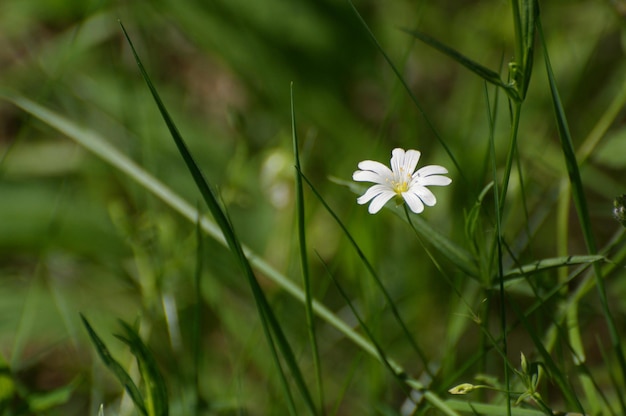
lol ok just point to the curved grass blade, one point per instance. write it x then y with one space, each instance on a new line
155 399
485 73
270 324
115 367
551 263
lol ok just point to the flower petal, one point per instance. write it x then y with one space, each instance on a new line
435 180
374 167
369 176
423 193
397 160
431 170
413 201
372 192
411 157
380 200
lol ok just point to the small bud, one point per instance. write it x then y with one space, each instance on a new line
462 389
524 363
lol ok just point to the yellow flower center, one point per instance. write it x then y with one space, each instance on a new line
400 187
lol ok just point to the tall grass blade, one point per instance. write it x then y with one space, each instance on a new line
304 255
270 324
155 397
122 376
580 202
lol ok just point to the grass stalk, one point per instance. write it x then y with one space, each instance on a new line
499 204
304 263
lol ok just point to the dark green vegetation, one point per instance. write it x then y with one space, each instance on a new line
521 255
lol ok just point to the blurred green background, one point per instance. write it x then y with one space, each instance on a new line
78 236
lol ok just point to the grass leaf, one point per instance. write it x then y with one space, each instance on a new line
122 376
551 263
485 73
155 399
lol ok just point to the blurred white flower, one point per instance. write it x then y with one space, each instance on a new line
401 181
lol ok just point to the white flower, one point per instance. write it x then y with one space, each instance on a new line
401 181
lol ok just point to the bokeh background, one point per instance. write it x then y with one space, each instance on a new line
78 236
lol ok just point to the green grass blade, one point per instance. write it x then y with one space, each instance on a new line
551 263
485 73
115 367
580 202
525 13
477 408
530 12
269 322
304 256
155 397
